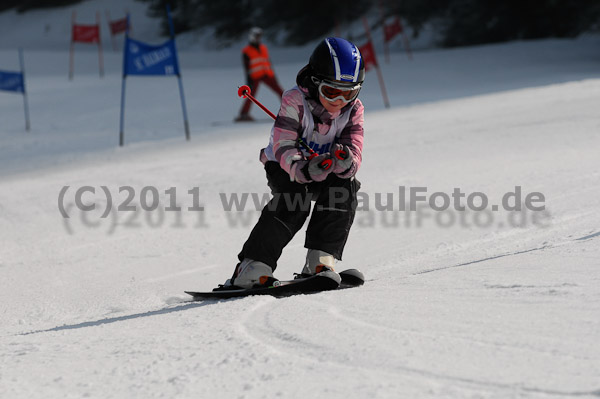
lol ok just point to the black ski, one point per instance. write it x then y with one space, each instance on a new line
325 281
351 278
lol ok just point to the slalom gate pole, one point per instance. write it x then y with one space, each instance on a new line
245 92
72 46
186 123
25 102
100 54
386 101
123 77
112 37
122 119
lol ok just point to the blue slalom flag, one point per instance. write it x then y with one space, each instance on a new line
12 81
140 58
146 59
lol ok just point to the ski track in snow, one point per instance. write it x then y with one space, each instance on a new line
290 344
542 248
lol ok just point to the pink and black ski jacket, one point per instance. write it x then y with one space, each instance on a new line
303 117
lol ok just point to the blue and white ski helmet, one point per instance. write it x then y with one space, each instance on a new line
337 60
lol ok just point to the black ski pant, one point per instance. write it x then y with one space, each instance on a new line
285 214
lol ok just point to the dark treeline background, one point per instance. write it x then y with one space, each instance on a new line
458 22
26 5
464 22
295 22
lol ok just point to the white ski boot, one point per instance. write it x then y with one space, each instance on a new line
317 261
251 273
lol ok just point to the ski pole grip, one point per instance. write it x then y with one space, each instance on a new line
341 155
244 91
326 164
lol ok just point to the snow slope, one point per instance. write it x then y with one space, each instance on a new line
492 305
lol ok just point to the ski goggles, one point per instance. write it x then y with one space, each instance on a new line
332 92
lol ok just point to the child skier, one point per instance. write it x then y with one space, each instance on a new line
323 111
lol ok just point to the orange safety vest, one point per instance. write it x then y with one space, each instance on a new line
259 61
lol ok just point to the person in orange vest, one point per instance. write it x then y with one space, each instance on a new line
258 69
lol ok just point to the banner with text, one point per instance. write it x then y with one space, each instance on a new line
146 59
86 33
15 82
118 26
12 81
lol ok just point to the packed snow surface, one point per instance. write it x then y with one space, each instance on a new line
457 304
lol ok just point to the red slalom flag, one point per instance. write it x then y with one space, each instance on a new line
391 30
86 33
118 26
368 54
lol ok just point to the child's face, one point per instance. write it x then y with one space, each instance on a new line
332 107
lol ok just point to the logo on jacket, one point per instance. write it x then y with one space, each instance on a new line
320 148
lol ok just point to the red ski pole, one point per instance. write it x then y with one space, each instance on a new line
245 92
